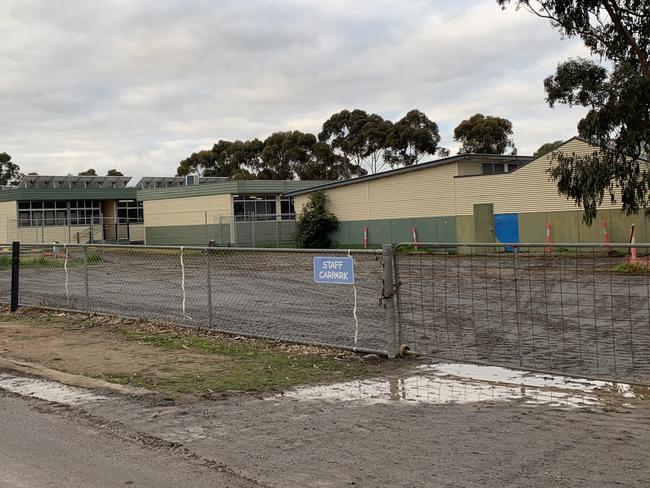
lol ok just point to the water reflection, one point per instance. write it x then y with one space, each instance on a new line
445 383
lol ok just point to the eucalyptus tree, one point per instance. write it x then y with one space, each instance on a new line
616 94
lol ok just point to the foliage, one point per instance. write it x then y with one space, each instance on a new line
48 261
350 144
88 172
618 30
412 137
360 137
315 223
9 171
485 135
547 148
617 98
114 172
343 131
325 164
619 121
631 268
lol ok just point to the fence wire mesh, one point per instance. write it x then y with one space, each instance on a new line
576 309
260 292
5 274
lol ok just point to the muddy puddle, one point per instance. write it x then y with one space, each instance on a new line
443 383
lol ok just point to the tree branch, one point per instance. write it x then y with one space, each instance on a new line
611 6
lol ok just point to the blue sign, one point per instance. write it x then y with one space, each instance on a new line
337 270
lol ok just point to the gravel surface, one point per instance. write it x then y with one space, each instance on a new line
266 293
559 313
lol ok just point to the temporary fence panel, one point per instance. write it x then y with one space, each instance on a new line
580 309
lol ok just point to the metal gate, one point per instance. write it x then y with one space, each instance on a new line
570 308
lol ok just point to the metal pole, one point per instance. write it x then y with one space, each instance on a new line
205 224
389 302
86 287
277 233
521 357
15 271
400 327
208 278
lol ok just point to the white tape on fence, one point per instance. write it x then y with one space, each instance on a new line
65 268
354 309
183 284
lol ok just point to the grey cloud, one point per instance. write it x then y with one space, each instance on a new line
140 85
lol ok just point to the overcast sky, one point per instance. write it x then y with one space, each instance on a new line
138 85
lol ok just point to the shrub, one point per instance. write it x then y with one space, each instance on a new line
315 224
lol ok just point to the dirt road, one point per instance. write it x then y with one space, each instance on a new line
40 449
307 419
422 430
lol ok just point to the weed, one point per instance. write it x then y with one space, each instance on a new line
632 268
49 261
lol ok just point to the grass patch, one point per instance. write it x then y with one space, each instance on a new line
631 268
135 250
246 365
171 359
49 261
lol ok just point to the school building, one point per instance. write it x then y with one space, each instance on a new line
71 209
223 213
463 198
469 198
155 211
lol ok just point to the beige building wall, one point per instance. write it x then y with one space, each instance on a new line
528 189
185 211
8 217
422 193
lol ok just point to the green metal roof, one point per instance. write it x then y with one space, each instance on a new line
228 187
22 194
131 193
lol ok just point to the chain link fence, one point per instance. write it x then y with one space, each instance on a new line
576 309
267 293
567 308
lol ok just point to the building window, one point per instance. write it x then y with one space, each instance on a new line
130 211
497 168
59 212
286 208
254 207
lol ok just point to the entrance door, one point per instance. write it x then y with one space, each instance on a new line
483 222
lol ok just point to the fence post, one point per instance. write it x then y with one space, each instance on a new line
205 224
389 302
208 277
15 271
517 319
86 287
